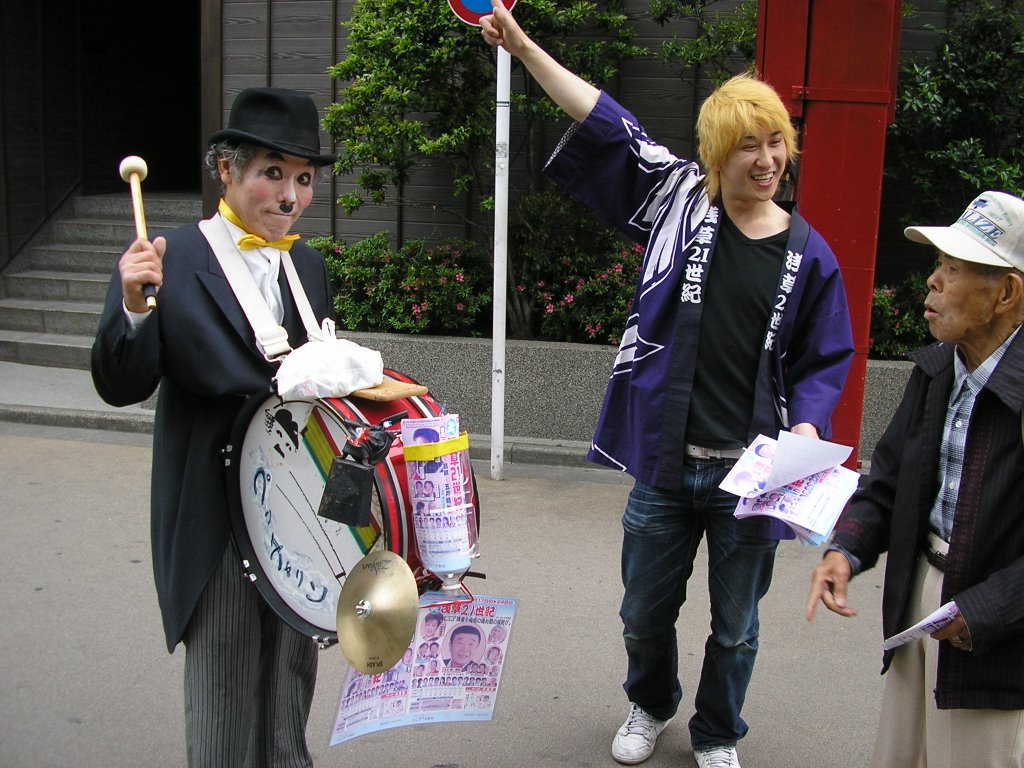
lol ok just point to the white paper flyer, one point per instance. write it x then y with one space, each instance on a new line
451 670
933 622
795 479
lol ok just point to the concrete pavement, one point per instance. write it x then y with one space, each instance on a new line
87 680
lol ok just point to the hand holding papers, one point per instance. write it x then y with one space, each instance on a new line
795 479
941 617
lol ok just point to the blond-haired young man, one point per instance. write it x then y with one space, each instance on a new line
739 326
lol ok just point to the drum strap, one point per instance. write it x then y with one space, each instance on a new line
313 331
272 337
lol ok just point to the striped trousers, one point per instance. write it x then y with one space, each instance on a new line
249 678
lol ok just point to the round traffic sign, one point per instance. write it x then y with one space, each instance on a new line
471 11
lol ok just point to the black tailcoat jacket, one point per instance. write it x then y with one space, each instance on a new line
199 348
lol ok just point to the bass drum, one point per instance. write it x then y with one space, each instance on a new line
277 466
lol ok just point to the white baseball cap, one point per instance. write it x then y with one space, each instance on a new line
990 231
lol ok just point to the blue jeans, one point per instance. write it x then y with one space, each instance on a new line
661 532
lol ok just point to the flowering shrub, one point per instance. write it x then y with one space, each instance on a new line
569 278
446 290
593 307
439 290
897 319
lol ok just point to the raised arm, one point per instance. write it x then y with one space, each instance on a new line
572 93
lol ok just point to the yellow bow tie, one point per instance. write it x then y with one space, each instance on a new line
249 241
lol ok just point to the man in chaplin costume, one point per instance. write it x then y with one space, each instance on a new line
249 677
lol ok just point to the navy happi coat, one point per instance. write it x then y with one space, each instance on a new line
659 200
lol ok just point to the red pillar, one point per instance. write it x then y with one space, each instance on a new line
835 65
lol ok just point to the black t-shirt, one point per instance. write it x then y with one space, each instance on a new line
738 298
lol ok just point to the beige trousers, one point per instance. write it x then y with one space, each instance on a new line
913 732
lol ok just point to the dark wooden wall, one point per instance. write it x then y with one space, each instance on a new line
99 85
896 257
291 43
40 120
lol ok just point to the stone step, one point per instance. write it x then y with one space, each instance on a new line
61 317
49 285
46 349
76 258
176 209
108 232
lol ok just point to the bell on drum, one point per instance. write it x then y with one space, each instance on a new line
349 485
348 493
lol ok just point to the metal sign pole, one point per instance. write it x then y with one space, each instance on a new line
501 169
471 11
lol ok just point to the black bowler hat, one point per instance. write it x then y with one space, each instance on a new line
278 119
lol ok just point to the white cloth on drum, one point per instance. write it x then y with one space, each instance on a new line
330 368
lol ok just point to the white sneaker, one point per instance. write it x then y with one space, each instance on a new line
635 740
717 757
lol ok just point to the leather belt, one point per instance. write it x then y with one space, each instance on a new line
700 452
938 559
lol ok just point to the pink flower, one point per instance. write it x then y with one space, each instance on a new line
460 307
569 298
549 309
443 280
459 277
521 288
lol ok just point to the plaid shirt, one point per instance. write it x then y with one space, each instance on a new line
966 386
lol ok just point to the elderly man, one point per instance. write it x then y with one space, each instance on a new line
944 500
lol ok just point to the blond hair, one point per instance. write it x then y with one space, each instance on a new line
741 106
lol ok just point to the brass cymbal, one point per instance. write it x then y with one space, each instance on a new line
377 612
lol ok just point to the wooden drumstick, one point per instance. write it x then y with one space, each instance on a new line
134 170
